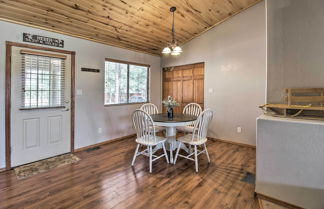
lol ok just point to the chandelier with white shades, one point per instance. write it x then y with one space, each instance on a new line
173 47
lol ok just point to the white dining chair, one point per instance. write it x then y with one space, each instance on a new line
197 138
151 109
143 124
190 109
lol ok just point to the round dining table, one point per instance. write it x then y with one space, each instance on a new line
171 125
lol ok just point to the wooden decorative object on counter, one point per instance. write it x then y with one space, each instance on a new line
305 103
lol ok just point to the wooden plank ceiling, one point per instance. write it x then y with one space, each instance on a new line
140 25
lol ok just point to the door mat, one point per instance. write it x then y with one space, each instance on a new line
31 169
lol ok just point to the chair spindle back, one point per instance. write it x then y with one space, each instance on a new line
149 108
192 109
201 125
144 126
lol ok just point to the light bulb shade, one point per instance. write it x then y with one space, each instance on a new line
166 50
177 49
175 53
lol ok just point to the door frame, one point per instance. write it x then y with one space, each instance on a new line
9 46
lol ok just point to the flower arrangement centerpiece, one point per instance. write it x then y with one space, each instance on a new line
170 103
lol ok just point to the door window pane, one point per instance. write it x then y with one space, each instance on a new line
43 81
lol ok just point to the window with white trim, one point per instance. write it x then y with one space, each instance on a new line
126 83
42 81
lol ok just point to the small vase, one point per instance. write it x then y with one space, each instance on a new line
170 112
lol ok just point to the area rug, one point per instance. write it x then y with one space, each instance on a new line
264 204
31 169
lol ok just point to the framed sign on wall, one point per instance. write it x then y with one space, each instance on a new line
43 40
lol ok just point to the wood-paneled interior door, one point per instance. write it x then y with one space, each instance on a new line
185 84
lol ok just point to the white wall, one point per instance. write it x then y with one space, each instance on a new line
235 68
295 46
90 112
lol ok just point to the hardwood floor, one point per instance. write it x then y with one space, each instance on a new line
103 178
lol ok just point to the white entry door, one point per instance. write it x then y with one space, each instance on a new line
40 105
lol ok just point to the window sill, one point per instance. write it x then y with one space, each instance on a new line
137 103
42 108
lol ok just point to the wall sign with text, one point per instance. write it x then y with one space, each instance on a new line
36 39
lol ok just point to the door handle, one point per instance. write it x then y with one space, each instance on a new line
66 108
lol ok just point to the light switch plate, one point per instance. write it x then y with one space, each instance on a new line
210 90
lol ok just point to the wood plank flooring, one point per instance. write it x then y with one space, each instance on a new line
104 178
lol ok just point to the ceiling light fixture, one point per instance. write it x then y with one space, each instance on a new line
173 47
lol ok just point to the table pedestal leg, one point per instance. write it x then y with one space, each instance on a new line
171 133
171 143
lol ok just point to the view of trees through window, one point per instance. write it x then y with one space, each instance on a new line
125 83
42 81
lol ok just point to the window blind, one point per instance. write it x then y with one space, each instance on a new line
43 81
